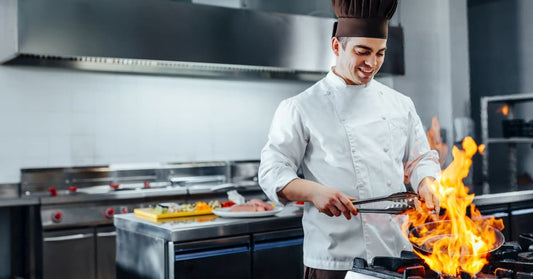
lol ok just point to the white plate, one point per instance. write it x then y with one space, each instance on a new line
223 212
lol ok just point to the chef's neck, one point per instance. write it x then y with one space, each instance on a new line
350 82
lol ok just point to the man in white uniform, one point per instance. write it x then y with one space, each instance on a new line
354 138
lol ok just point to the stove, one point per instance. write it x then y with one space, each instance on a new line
513 260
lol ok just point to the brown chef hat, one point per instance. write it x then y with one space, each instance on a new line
363 18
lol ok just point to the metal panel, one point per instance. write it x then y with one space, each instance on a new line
191 259
8 29
105 253
169 37
278 254
69 254
145 259
173 31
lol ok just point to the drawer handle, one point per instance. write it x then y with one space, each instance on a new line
106 234
68 237
211 253
278 244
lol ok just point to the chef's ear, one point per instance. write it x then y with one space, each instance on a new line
335 45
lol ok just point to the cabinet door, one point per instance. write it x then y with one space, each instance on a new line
221 258
278 255
105 251
69 254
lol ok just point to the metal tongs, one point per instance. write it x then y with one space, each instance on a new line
397 203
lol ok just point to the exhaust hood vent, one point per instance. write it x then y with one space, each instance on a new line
166 37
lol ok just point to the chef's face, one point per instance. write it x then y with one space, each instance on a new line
358 59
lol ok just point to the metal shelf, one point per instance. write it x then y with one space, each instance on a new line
510 140
510 100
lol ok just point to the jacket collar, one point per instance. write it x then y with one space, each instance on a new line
338 83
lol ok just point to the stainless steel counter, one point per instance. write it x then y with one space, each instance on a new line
503 198
13 202
209 226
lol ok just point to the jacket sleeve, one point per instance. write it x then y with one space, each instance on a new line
284 150
420 160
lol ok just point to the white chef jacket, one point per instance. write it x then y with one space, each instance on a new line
360 139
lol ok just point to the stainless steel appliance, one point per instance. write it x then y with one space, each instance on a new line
512 260
74 227
154 37
211 247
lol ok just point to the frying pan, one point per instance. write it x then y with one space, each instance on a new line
427 247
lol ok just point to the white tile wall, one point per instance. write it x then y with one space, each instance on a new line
55 117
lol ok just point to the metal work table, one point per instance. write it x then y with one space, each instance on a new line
503 198
211 226
13 202
184 247
208 226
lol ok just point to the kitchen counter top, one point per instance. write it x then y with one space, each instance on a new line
503 198
209 226
24 201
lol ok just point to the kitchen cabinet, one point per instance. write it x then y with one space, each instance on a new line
211 258
69 254
514 133
105 252
278 254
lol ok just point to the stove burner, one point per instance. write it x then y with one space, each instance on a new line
510 261
526 256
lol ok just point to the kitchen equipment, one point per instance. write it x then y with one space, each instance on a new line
427 247
526 241
78 204
396 203
503 262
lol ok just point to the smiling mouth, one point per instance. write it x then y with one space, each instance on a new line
366 73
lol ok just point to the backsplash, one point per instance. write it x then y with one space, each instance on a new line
54 117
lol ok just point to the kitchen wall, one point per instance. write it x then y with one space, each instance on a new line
502 64
52 117
436 58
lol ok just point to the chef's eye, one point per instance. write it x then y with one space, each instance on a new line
380 54
363 52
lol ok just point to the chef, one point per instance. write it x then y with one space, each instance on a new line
354 138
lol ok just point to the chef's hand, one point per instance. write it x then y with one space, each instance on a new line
426 196
333 202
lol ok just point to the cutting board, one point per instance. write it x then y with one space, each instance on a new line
150 214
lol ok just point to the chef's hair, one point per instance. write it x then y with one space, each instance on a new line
343 41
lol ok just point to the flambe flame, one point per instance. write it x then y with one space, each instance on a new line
503 110
458 244
435 141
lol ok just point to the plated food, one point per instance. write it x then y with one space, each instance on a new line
253 208
254 205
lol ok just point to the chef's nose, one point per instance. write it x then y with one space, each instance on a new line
371 61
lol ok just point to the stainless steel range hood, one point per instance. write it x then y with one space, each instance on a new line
164 37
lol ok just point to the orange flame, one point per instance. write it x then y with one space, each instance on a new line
435 141
503 110
459 244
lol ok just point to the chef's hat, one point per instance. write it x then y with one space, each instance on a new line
363 18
